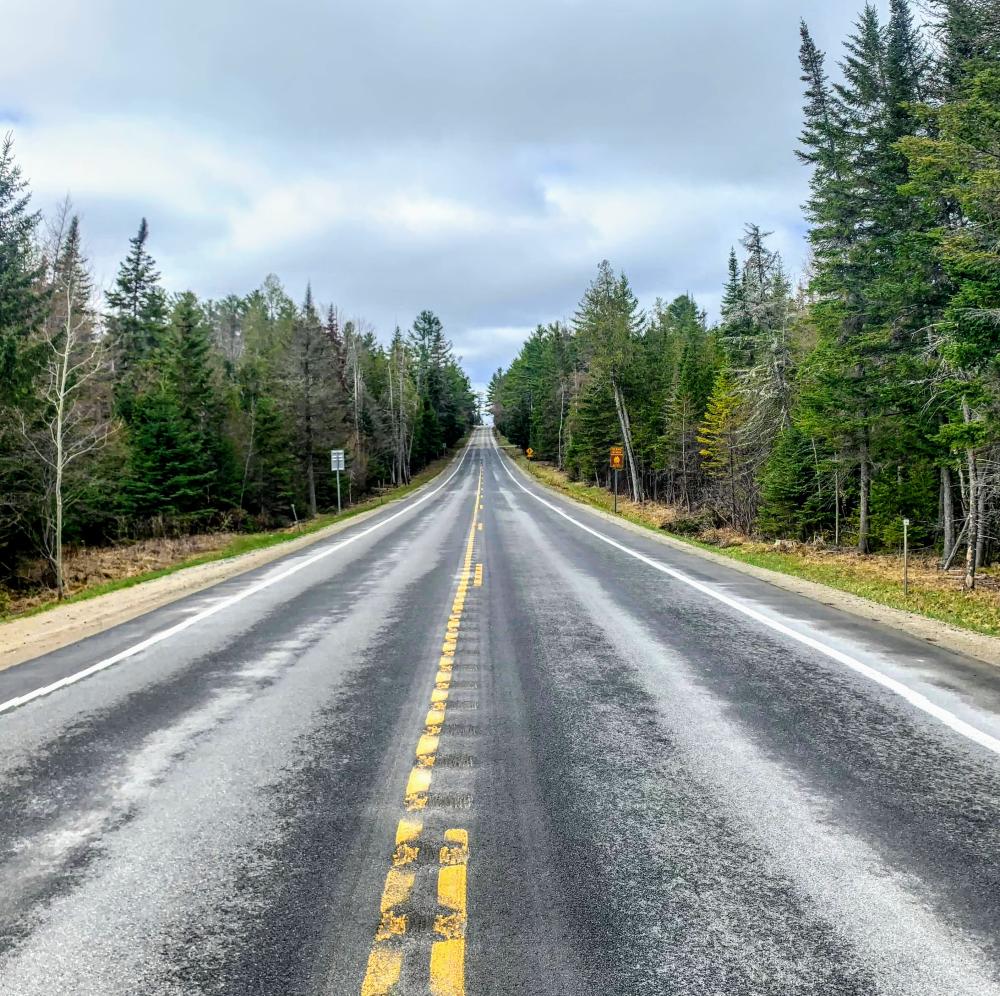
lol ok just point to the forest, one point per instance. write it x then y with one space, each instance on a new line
828 406
142 412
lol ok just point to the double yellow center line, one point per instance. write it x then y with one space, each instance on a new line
447 958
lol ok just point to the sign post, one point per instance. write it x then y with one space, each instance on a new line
617 459
337 464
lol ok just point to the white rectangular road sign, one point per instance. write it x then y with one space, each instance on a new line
337 460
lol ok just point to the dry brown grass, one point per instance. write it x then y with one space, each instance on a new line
87 566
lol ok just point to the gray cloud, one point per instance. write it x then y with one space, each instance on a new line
475 158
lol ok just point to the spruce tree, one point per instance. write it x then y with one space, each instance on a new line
788 493
314 403
959 163
609 324
719 437
137 317
968 41
21 305
167 477
188 356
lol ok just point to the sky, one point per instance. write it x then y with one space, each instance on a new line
475 159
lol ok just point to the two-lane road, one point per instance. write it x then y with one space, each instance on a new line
488 742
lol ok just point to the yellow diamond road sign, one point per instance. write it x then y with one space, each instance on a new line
529 452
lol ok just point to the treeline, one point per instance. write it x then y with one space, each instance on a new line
869 393
143 412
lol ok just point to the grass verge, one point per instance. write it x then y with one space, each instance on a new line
248 543
878 578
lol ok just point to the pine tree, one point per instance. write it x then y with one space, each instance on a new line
959 164
311 389
609 324
166 478
137 318
968 37
737 329
180 413
845 142
428 439
788 494
21 306
719 436
189 353
336 337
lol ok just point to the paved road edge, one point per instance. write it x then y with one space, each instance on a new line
22 640
932 631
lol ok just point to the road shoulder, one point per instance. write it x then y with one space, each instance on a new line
939 634
32 636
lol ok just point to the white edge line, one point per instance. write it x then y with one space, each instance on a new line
164 634
916 699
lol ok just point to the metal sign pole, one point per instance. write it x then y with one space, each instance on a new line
337 464
616 457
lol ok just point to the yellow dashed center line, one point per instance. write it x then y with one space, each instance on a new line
448 952
447 963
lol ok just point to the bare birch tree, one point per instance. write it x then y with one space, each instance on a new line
71 420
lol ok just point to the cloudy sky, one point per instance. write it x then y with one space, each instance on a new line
475 158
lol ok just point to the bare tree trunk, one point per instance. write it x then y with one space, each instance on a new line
732 486
950 555
981 523
70 429
623 422
947 512
972 537
60 461
393 431
310 471
562 415
686 494
836 508
310 442
246 465
863 498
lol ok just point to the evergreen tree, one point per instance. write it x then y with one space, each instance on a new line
428 438
166 477
968 41
21 306
311 391
958 164
720 438
196 385
790 502
137 317
609 324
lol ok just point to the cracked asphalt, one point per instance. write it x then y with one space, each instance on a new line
663 793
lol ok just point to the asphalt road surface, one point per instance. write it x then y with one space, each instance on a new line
488 742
